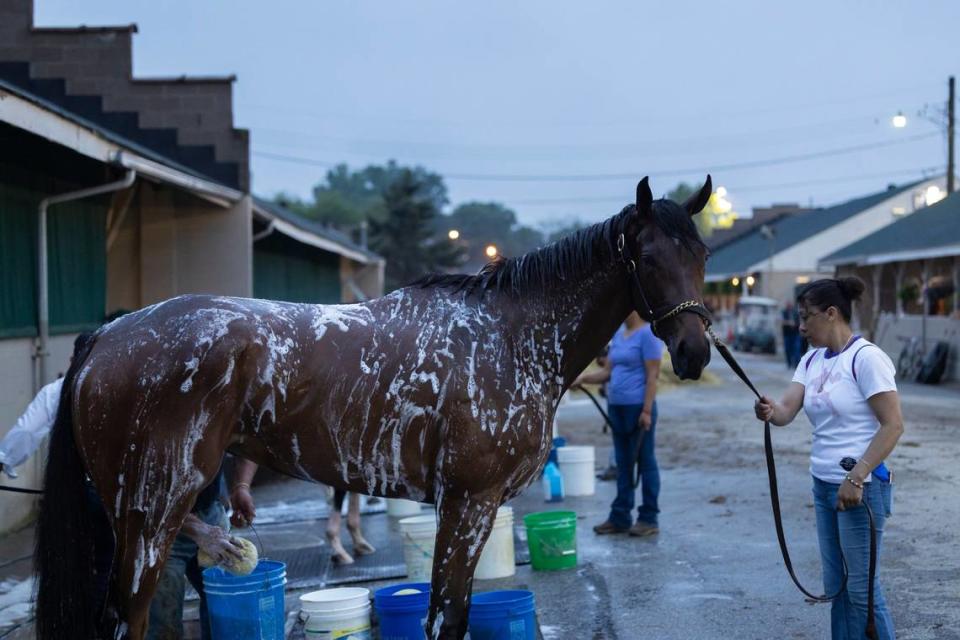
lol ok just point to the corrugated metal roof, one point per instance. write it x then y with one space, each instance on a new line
314 227
920 233
740 254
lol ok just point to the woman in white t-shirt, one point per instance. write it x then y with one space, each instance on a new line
846 386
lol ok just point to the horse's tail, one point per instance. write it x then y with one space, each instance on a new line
66 605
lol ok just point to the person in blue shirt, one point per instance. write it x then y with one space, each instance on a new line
632 367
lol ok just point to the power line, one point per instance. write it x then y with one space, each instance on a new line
918 172
750 164
780 108
632 143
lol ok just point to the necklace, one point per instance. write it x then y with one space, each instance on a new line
824 378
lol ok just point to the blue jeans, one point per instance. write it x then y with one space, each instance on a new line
166 608
849 531
628 436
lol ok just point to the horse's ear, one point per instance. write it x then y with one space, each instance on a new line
697 202
644 199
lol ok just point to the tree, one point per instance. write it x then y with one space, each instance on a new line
560 231
406 236
484 223
347 198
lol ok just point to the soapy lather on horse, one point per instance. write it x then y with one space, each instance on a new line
442 392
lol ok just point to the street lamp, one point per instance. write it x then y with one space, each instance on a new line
751 281
491 251
899 120
453 234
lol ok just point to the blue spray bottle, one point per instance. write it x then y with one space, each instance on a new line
552 483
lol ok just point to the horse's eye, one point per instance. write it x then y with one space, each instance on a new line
647 259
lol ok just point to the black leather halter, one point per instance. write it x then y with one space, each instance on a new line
642 305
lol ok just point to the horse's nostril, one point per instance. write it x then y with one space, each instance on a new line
682 351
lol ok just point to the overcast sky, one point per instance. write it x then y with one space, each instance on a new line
585 96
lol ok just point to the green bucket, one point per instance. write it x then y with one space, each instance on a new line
552 539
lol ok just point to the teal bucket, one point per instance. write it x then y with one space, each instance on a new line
503 615
246 607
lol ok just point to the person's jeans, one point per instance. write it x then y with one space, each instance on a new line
849 531
166 608
628 437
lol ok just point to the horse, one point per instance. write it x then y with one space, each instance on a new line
441 392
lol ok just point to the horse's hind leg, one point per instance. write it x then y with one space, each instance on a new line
360 545
158 493
465 525
143 542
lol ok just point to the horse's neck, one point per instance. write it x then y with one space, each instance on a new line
582 318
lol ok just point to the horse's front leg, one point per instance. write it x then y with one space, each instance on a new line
465 525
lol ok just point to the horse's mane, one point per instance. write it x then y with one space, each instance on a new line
544 268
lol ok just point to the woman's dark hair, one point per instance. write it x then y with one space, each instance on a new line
832 292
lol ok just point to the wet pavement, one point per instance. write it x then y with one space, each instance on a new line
715 569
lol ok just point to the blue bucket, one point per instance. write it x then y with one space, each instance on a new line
246 607
503 615
402 617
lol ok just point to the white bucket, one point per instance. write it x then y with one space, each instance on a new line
332 614
419 535
399 508
497 559
577 468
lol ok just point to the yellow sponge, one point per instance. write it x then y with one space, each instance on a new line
241 567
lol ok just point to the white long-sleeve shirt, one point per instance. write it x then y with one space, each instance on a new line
31 428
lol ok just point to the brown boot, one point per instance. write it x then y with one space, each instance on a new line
607 527
642 529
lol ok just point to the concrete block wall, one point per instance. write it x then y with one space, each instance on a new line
97 61
188 246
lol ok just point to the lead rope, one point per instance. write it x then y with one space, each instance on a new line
870 631
21 490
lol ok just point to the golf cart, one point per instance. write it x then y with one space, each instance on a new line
757 324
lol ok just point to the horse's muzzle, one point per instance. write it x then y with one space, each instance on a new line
690 355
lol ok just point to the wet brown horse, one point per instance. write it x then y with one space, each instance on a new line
441 392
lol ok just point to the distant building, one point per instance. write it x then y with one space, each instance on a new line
912 272
761 215
784 252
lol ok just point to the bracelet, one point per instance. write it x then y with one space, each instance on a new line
858 485
241 484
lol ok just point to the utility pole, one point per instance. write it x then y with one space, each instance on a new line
951 100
